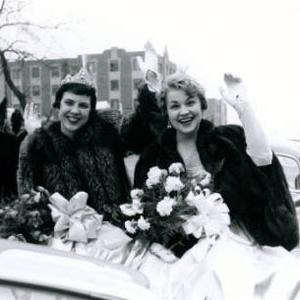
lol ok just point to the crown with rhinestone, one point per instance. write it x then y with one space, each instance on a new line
82 77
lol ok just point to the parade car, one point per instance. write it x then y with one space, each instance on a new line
288 153
34 272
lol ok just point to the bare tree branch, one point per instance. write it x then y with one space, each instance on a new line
2 7
11 18
13 24
28 24
9 81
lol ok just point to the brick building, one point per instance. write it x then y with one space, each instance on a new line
216 111
116 72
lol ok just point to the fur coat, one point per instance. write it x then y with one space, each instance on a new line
258 197
8 165
92 162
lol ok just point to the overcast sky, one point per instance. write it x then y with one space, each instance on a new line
257 39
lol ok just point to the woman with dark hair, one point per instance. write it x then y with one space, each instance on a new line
253 260
16 121
8 157
79 152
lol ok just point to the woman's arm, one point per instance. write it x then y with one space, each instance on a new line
258 146
268 211
142 127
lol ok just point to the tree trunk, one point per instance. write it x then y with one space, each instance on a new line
5 67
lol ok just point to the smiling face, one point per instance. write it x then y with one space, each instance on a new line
184 112
74 112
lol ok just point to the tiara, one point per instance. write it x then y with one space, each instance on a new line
82 77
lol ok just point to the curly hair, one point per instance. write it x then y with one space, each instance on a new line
77 89
185 83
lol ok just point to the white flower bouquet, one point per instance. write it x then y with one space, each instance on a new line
172 205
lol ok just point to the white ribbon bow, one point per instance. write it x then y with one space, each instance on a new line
74 220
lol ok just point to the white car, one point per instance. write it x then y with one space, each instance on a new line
35 272
288 153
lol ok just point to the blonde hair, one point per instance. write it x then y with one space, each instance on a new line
181 81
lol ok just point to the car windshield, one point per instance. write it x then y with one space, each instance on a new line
291 170
14 291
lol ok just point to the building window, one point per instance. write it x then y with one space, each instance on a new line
137 83
55 72
35 91
16 74
114 85
54 89
115 104
91 66
35 72
114 65
74 69
172 69
135 65
13 94
160 68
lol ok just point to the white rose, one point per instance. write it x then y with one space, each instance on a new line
143 224
165 206
173 184
131 226
154 176
176 168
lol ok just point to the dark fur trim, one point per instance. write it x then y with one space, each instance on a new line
256 196
93 162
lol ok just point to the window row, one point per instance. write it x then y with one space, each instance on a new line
55 70
35 90
115 84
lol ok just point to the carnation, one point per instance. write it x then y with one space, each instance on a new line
131 226
173 184
127 210
132 209
171 204
136 194
154 176
137 206
143 224
176 168
165 206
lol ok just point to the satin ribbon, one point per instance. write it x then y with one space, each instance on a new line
74 220
212 217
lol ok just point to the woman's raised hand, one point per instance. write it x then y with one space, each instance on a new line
235 93
149 68
32 118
